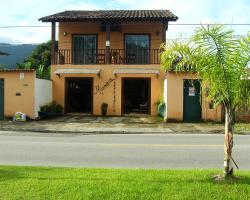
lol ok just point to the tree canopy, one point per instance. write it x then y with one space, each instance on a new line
40 60
3 54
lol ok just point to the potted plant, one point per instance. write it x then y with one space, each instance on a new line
161 108
104 109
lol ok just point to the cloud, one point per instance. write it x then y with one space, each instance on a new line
14 13
27 12
193 11
6 39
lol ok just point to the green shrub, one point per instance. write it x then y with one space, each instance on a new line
52 107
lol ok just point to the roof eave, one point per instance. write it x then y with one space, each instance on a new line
103 19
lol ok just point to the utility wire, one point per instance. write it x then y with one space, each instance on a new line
212 24
172 24
119 41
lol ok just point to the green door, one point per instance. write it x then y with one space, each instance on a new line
192 101
1 99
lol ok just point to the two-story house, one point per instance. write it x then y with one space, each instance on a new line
109 56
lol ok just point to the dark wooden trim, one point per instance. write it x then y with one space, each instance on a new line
183 98
136 78
92 95
66 92
108 47
149 96
166 26
66 95
122 95
164 30
124 43
53 38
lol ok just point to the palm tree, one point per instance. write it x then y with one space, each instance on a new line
220 60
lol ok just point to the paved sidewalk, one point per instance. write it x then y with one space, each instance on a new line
109 125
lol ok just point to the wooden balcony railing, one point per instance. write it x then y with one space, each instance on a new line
99 56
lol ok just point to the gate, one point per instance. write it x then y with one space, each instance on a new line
192 101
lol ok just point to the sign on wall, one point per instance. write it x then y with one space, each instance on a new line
191 91
100 89
21 76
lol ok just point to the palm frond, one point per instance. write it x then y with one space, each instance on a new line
218 57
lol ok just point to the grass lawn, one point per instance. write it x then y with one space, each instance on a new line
72 183
242 127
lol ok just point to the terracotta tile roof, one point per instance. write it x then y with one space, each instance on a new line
99 15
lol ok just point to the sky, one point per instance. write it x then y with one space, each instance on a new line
27 13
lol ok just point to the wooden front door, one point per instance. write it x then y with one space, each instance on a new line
79 95
136 95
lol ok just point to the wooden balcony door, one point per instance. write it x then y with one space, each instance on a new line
137 49
84 49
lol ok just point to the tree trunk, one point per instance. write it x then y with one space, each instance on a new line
228 142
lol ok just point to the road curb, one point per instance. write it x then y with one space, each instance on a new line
96 132
109 131
88 132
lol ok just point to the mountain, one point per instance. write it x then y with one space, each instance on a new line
17 53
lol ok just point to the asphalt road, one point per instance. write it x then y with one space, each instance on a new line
120 151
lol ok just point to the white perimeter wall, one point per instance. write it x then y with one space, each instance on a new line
43 93
165 96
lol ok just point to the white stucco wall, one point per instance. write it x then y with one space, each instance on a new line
43 93
165 96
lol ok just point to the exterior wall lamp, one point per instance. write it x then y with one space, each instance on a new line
157 33
65 33
58 75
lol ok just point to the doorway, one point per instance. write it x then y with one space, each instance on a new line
192 101
136 95
79 95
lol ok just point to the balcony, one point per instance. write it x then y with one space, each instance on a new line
103 56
